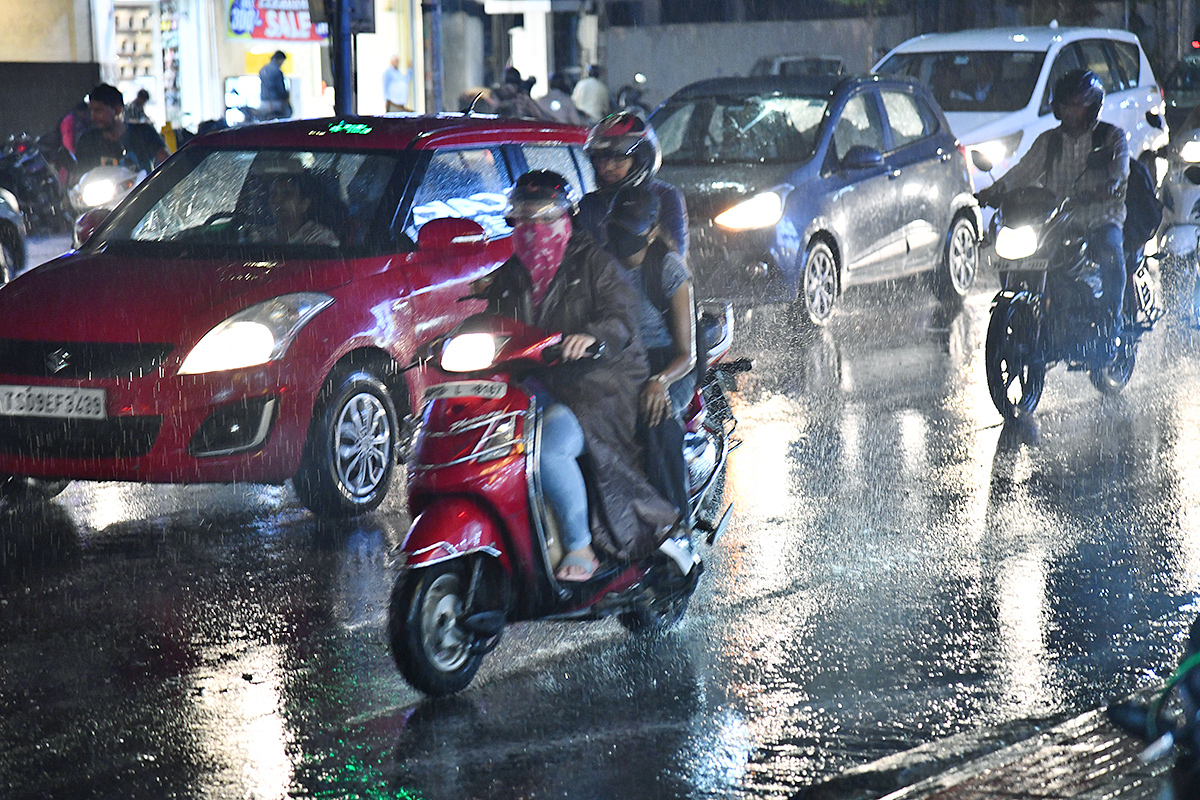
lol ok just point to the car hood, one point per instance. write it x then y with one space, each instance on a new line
110 298
710 189
973 127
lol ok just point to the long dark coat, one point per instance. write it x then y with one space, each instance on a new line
587 295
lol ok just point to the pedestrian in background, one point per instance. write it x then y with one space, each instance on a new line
395 86
275 102
513 100
591 95
557 102
136 110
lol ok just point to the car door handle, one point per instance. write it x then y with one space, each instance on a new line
893 174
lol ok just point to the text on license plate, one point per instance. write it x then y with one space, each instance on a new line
492 390
51 401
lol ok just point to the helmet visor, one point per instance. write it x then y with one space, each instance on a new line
539 210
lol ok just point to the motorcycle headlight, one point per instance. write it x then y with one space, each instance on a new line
1014 243
259 334
469 352
1190 152
97 193
760 211
997 150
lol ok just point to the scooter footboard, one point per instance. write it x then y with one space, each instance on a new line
452 527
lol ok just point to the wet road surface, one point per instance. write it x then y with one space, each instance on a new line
901 570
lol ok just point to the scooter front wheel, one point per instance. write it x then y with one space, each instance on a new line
433 650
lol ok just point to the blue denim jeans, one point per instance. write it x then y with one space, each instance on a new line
1106 246
562 480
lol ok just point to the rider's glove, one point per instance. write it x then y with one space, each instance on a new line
989 196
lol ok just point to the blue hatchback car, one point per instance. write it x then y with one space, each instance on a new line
799 187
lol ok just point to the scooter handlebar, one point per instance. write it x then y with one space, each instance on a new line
553 353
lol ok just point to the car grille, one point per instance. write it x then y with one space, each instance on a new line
115 437
80 359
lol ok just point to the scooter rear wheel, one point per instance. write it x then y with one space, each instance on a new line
432 649
1015 376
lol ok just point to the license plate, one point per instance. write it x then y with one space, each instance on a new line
491 390
51 401
1026 265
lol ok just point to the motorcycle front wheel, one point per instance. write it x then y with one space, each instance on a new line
1015 374
1111 379
434 652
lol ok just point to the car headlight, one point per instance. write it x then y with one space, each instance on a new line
1014 243
1190 152
760 211
997 150
469 352
259 334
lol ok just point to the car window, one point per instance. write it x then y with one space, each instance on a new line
1094 56
858 124
468 184
743 129
1185 77
991 80
222 197
1128 61
904 115
557 158
1066 60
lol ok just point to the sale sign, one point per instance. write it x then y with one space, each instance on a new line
274 20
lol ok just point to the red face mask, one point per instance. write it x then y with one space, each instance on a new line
540 246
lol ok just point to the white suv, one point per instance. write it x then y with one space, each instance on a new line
994 85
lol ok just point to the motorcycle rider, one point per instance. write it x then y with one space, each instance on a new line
111 140
559 279
1088 161
667 320
624 151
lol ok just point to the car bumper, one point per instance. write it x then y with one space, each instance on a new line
248 425
750 267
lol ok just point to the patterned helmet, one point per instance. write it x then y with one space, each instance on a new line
626 135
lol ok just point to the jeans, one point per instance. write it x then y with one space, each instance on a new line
1106 246
562 480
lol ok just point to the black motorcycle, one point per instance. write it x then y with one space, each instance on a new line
28 174
1049 309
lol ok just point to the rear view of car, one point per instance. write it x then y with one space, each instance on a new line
995 85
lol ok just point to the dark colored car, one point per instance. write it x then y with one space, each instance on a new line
798 188
1181 90
12 237
199 337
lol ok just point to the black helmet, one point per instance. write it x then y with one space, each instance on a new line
630 221
1077 86
626 134
539 194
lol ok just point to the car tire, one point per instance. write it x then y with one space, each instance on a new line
959 266
17 491
818 289
350 453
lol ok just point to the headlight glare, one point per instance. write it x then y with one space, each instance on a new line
97 193
1014 243
997 150
760 211
468 352
259 334
1190 152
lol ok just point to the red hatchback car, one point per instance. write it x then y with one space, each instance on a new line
247 313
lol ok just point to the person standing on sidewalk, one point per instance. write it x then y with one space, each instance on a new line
395 86
276 103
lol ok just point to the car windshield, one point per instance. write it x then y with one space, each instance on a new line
989 80
755 129
284 199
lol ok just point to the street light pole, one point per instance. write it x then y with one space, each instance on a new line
434 7
343 69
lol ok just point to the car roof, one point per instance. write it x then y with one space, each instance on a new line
1014 38
393 132
814 85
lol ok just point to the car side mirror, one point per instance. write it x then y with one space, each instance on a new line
452 235
1192 173
862 157
981 162
1154 119
87 224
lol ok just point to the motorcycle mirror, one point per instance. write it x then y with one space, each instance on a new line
1192 173
1154 119
981 162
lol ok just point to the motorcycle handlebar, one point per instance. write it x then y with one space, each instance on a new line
553 353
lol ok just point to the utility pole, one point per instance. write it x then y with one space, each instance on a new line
343 66
434 8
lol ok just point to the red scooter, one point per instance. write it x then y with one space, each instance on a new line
483 546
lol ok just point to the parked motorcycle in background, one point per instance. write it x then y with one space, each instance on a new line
1179 246
28 174
100 189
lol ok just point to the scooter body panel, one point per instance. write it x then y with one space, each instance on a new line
453 527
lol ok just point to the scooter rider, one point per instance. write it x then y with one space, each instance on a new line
559 279
1087 160
667 320
624 151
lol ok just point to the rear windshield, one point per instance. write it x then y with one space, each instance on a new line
989 80
758 129
284 200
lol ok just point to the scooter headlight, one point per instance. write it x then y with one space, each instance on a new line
469 352
1190 152
98 193
1014 243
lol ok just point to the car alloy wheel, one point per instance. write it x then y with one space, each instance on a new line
818 288
961 261
363 444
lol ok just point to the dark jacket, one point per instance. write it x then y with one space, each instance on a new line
672 214
587 295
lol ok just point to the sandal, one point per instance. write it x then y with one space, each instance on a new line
577 562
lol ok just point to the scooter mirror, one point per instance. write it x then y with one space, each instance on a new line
1154 119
